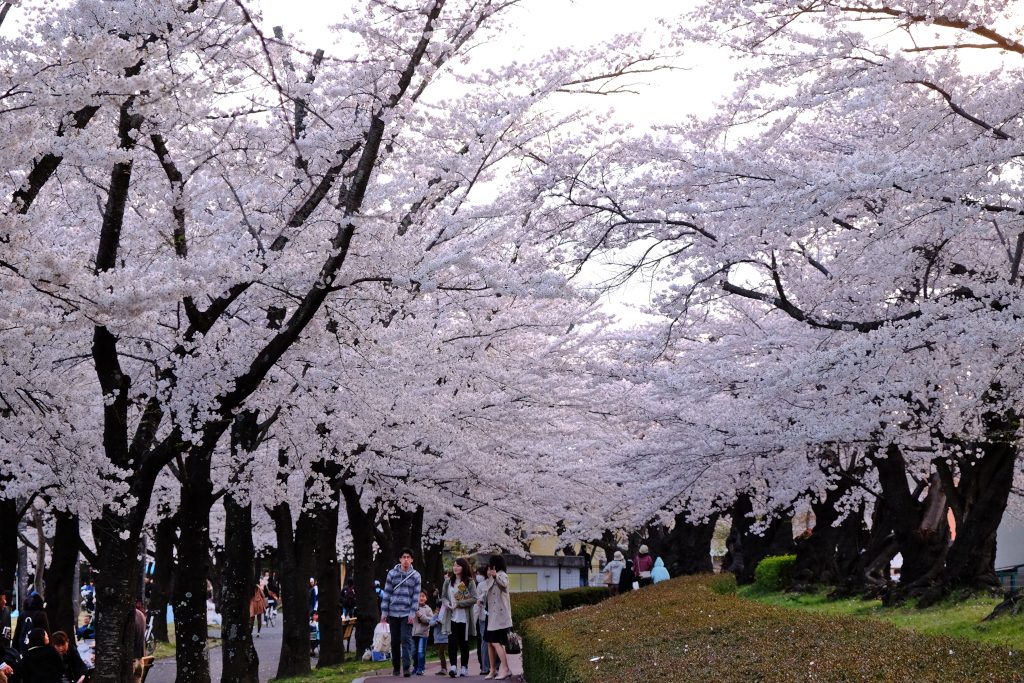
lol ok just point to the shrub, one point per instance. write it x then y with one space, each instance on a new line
775 573
684 625
529 605
588 595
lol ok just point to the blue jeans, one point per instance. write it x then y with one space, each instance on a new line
420 644
401 642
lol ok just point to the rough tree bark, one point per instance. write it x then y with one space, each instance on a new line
747 549
192 656
328 571
295 556
241 662
686 549
61 591
361 524
919 525
163 572
978 501
8 543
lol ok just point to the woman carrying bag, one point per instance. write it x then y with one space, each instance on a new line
459 595
495 600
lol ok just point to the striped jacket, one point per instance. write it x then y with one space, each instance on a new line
401 596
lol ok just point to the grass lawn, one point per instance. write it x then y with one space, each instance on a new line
343 673
165 650
958 619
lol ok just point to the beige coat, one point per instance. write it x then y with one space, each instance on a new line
496 602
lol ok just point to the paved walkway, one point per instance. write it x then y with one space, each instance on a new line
268 646
433 673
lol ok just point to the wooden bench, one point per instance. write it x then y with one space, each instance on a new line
348 629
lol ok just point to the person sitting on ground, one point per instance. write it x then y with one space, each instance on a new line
87 631
40 662
643 564
31 617
5 622
613 572
659 573
73 667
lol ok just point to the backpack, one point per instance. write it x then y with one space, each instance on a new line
26 630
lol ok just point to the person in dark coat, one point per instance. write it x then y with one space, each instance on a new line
40 663
73 667
33 616
626 578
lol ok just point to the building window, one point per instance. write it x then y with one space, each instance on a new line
522 583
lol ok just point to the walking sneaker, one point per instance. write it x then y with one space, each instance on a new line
451 672
463 672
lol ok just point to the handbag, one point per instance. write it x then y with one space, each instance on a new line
515 643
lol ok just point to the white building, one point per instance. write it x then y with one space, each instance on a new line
541 572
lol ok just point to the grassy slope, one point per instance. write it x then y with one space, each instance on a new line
345 673
679 626
957 619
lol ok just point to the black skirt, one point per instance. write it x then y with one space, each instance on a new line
497 636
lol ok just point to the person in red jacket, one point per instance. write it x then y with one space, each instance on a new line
643 565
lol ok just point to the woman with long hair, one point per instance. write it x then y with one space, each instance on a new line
459 595
495 599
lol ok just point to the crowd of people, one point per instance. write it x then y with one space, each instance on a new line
32 652
471 606
622 575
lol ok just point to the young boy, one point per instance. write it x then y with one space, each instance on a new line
420 631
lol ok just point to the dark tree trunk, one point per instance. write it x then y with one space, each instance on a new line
328 573
361 523
433 566
817 559
687 547
163 573
919 527
241 662
8 543
400 529
747 549
191 654
853 549
116 593
978 502
295 555
61 591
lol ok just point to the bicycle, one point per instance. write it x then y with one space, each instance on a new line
270 616
150 638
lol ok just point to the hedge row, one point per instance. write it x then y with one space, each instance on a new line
695 625
529 605
775 573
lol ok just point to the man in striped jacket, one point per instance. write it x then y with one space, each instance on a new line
399 602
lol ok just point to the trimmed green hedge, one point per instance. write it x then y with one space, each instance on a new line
529 605
692 625
775 573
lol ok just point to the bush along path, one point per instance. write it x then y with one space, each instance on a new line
696 628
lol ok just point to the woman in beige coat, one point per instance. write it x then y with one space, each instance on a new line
495 600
